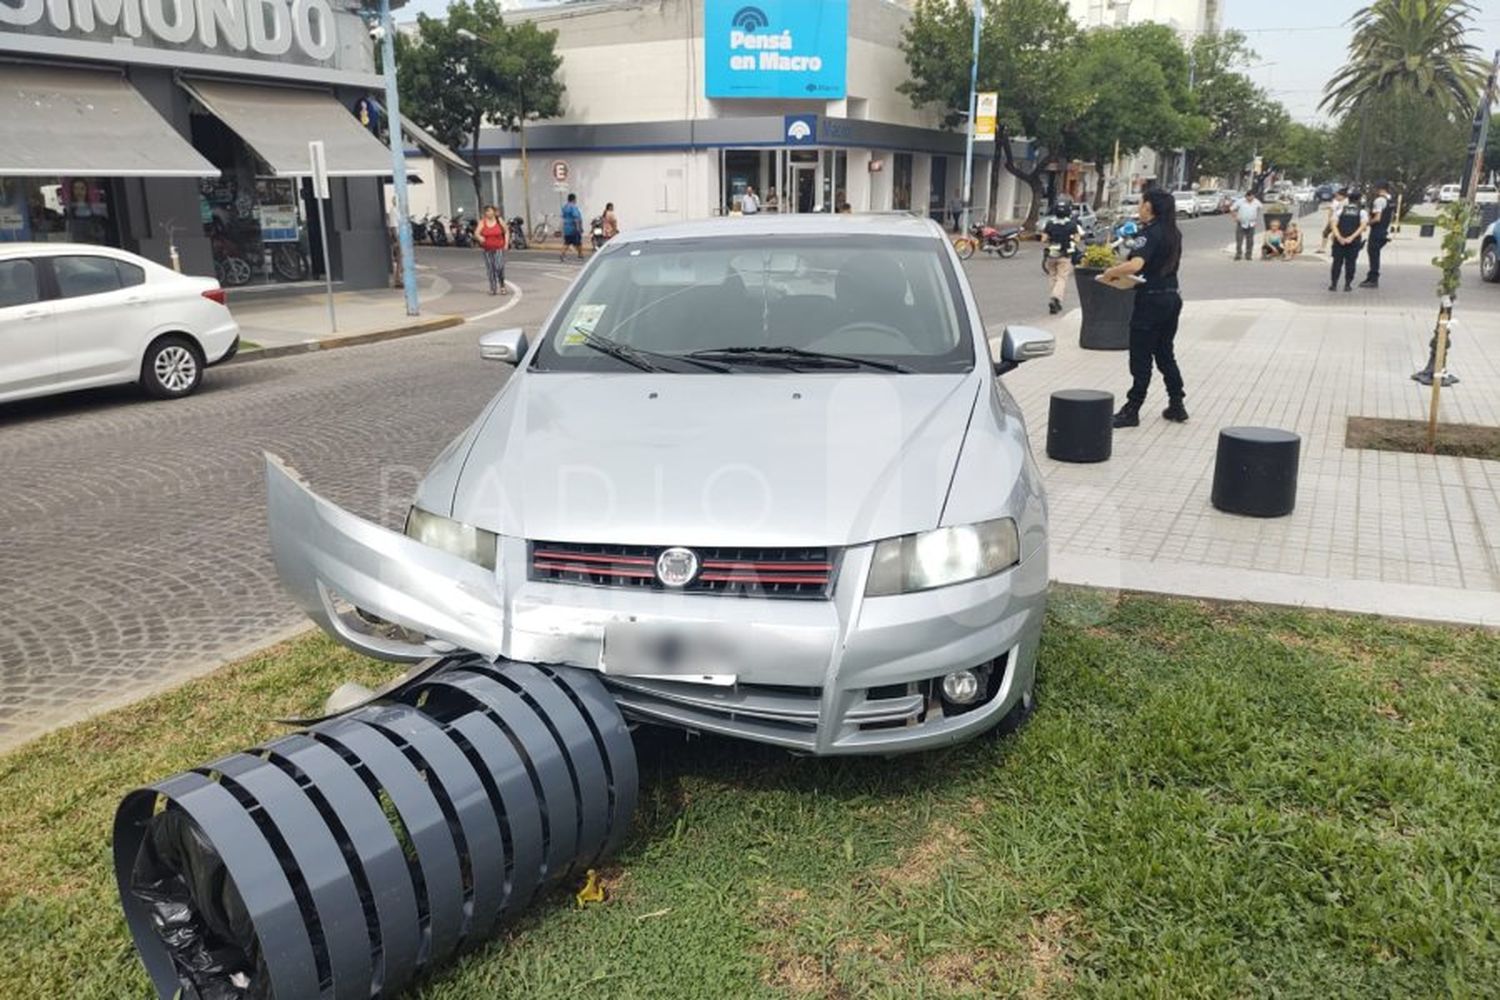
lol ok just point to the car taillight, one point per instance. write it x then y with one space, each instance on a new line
214 295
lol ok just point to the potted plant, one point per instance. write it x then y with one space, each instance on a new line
1278 211
1106 311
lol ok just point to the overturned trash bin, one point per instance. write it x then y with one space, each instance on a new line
346 859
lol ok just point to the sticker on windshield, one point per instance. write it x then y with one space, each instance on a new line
585 319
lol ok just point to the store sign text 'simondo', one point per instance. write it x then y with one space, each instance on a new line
267 28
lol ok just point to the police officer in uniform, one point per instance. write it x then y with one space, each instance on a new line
1380 224
1154 256
1062 245
1348 236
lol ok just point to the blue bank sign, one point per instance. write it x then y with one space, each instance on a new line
776 48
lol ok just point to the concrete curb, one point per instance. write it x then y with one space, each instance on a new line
353 340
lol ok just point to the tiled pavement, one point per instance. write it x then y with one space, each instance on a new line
1425 530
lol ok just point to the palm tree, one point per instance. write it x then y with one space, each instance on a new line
1415 47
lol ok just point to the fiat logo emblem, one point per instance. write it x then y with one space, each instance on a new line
676 567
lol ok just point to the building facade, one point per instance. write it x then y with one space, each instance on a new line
675 108
154 124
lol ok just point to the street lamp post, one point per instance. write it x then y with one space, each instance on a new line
398 158
973 111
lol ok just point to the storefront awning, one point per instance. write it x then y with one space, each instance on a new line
428 142
279 122
57 122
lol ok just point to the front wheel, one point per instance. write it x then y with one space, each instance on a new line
172 368
1008 248
965 246
1489 262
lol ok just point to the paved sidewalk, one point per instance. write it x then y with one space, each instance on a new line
1405 535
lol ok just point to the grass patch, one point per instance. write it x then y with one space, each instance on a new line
1458 440
1211 801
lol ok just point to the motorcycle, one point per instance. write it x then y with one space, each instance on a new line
596 227
463 230
419 230
1004 243
437 233
517 239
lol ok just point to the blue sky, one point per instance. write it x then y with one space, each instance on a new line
1300 42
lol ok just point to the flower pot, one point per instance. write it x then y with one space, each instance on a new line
1285 218
1106 312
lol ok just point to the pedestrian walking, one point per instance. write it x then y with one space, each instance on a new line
492 235
1348 237
1062 245
1248 213
572 220
610 223
1154 256
749 204
1340 199
1379 232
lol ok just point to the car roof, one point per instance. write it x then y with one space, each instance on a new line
54 249
773 224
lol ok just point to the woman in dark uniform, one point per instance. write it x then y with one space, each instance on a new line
1154 255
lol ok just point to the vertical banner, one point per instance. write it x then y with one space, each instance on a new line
776 48
987 107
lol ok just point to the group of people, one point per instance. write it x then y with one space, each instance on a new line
1348 226
494 238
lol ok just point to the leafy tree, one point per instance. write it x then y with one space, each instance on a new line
1411 47
471 68
1241 119
1303 151
1416 146
1135 81
1028 54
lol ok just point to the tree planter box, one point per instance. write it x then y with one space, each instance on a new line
1427 230
1106 313
1285 218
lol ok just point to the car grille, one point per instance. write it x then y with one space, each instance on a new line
806 573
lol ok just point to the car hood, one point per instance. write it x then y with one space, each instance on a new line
726 460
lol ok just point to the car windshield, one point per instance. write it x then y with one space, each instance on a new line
764 303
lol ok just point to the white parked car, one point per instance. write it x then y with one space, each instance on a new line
1448 193
1486 194
75 316
1208 201
1187 202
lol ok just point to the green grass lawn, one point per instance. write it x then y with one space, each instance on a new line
1209 801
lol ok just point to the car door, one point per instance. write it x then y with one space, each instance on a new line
28 345
102 319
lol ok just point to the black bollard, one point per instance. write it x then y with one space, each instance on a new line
346 860
1080 425
1255 471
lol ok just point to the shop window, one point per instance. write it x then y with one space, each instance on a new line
901 171
58 209
18 285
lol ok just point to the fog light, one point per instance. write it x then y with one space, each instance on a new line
961 687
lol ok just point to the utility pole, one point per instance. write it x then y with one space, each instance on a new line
398 158
973 113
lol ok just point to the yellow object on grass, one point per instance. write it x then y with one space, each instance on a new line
592 891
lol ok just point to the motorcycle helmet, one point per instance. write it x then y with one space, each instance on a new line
1062 206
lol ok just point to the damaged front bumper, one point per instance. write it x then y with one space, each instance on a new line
846 675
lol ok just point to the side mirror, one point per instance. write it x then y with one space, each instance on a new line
507 345
1022 343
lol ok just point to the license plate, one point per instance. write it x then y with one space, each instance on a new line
702 654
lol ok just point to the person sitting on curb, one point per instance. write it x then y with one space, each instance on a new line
1292 245
1273 245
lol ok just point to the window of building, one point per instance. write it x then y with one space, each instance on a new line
58 209
901 174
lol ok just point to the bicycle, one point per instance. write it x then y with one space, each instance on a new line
544 230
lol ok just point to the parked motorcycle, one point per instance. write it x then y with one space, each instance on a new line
463 230
437 233
517 240
1004 243
419 230
596 228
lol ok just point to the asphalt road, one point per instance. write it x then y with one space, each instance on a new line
133 547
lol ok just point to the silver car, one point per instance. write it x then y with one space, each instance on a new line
758 473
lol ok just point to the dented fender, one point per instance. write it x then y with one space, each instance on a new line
323 552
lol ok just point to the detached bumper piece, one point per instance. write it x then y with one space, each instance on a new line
345 860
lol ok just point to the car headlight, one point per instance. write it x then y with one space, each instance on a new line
942 557
454 537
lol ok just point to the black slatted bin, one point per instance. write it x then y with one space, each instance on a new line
347 859
1255 471
1080 425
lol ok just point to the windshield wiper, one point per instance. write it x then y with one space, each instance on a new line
636 356
789 357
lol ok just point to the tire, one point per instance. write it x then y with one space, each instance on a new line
1489 262
1009 247
288 263
232 271
964 247
172 367
538 234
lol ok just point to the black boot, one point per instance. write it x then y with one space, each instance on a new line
1370 283
1175 411
1129 415
1335 286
